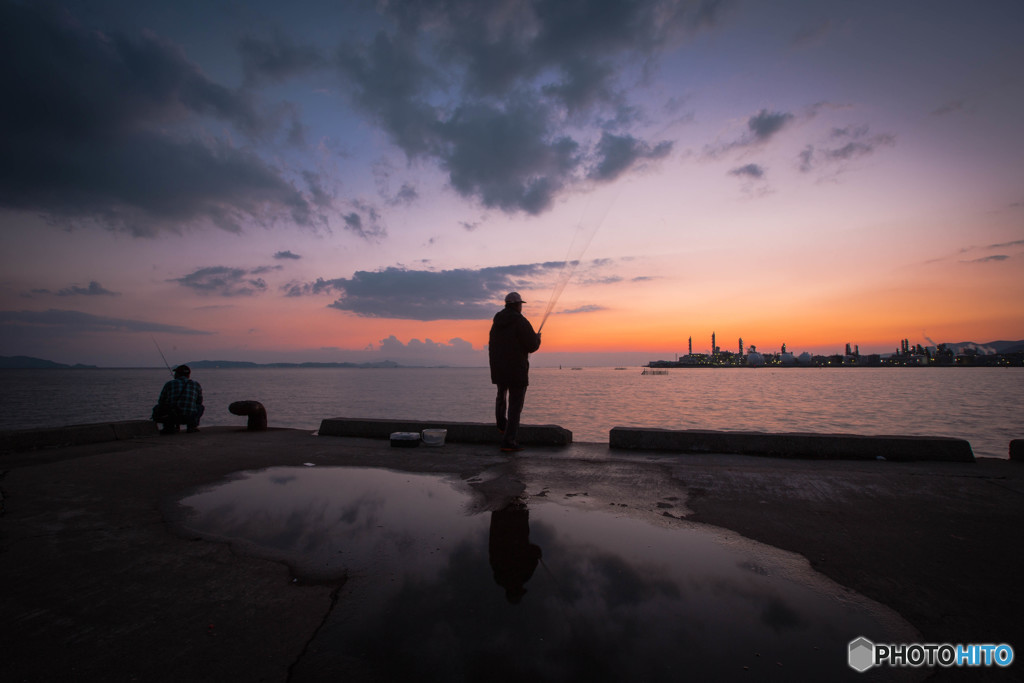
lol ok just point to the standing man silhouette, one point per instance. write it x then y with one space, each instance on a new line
510 344
513 557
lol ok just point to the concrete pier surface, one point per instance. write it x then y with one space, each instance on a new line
100 583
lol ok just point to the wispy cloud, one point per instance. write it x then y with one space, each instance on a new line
755 171
286 255
591 308
93 289
226 281
365 222
760 128
843 145
950 107
988 259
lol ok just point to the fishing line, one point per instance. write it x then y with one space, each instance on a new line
162 355
594 214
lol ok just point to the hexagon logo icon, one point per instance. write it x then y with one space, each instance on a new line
862 654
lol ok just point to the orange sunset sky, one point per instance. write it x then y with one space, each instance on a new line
365 181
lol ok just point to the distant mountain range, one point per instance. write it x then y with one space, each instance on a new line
206 364
29 363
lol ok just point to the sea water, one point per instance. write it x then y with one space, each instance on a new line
981 405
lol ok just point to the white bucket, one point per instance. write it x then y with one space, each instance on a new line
434 437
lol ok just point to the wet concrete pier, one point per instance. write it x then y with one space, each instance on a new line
107 577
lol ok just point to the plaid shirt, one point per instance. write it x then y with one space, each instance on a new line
184 395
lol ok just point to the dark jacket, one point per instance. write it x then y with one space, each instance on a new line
511 342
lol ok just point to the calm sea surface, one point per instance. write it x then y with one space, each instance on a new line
981 405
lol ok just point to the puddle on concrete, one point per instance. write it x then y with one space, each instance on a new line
538 590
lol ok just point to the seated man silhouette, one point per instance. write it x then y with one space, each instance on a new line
180 403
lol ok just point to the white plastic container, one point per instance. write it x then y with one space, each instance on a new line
434 437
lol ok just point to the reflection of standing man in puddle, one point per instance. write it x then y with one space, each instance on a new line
513 557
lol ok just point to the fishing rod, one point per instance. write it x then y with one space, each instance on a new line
593 217
162 355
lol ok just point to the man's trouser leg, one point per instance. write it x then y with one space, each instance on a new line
501 408
516 399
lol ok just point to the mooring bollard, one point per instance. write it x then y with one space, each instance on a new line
1017 450
256 412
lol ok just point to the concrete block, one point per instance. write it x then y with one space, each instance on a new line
794 445
19 440
458 432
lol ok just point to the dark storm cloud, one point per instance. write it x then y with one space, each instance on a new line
58 321
225 281
522 72
100 120
505 156
504 44
750 171
460 294
277 58
618 153
391 83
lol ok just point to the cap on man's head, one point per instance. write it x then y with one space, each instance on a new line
182 371
513 298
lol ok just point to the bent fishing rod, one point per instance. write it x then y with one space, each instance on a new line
593 217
